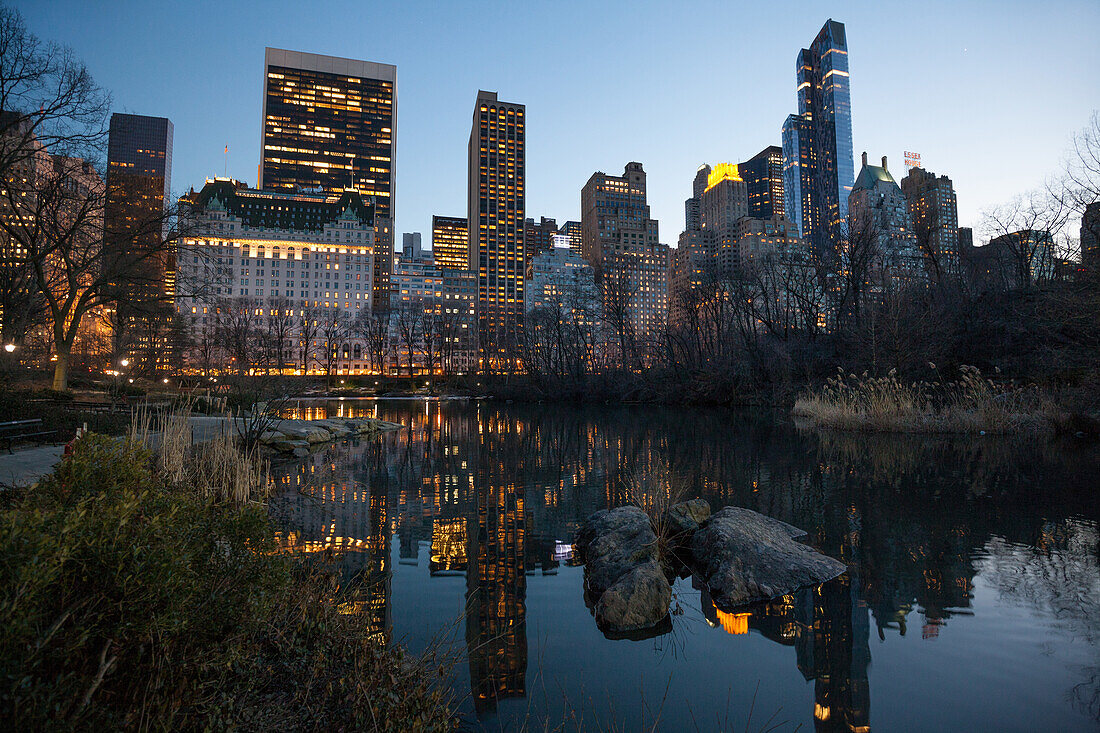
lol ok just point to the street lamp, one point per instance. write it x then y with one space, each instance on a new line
9 348
125 362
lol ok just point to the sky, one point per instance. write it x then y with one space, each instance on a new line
989 93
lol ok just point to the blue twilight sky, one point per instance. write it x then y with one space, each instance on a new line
987 92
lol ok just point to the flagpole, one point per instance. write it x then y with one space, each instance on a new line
225 168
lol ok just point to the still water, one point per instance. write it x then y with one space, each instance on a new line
972 600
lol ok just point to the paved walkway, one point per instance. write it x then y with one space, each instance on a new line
24 467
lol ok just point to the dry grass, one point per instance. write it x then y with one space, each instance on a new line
218 469
655 488
970 404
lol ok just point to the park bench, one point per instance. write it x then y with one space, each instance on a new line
23 430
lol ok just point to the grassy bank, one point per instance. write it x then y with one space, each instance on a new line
969 404
147 592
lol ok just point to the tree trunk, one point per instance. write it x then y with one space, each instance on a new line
61 371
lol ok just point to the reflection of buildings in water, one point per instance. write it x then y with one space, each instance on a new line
449 542
828 627
496 590
332 516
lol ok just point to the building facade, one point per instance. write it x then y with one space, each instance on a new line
562 280
139 182
1090 236
724 202
763 176
451 242
879 220
538 237
817 142
256 257
620 240
572 229
330 123
935 219
496 202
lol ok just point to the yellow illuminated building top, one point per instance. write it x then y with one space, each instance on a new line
722 172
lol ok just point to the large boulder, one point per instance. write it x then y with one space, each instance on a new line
743 557
613 542
622 571
681 520
637 600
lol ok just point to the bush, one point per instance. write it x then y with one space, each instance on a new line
130 602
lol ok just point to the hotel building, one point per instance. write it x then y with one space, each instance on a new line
265 249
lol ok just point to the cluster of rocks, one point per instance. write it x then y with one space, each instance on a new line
298 436
738 555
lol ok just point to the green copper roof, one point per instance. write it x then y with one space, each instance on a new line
277 209
869 175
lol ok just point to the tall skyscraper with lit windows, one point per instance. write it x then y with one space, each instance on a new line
818 167
495 205
330 123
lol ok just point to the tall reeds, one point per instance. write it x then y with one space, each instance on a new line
969 404
218 469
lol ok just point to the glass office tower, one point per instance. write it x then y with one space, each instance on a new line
139 182
824 126
330 123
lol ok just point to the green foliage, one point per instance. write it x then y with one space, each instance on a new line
129 603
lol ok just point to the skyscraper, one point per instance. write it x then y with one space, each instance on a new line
692 214
820 138
724 201
620 240
572 229
935 220
451 242
1090 236
139 182
495 204
763 176
330 123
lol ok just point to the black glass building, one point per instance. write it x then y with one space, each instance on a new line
330 123
139 182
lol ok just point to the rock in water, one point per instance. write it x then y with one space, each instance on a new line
684 518
637 600
622 569
613 543
744 557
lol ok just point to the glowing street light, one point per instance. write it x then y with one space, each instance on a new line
125 362
9 348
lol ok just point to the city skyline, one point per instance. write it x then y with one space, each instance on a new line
901 101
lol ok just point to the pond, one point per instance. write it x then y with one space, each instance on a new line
972 599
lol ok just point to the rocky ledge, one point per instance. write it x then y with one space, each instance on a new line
744 557
739 555
297 436
622 574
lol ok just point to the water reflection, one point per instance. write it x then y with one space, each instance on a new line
496 492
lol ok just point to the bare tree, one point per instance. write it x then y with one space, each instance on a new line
52 134
278 332
334 330
373 328
309 329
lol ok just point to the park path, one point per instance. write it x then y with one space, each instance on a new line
25 466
